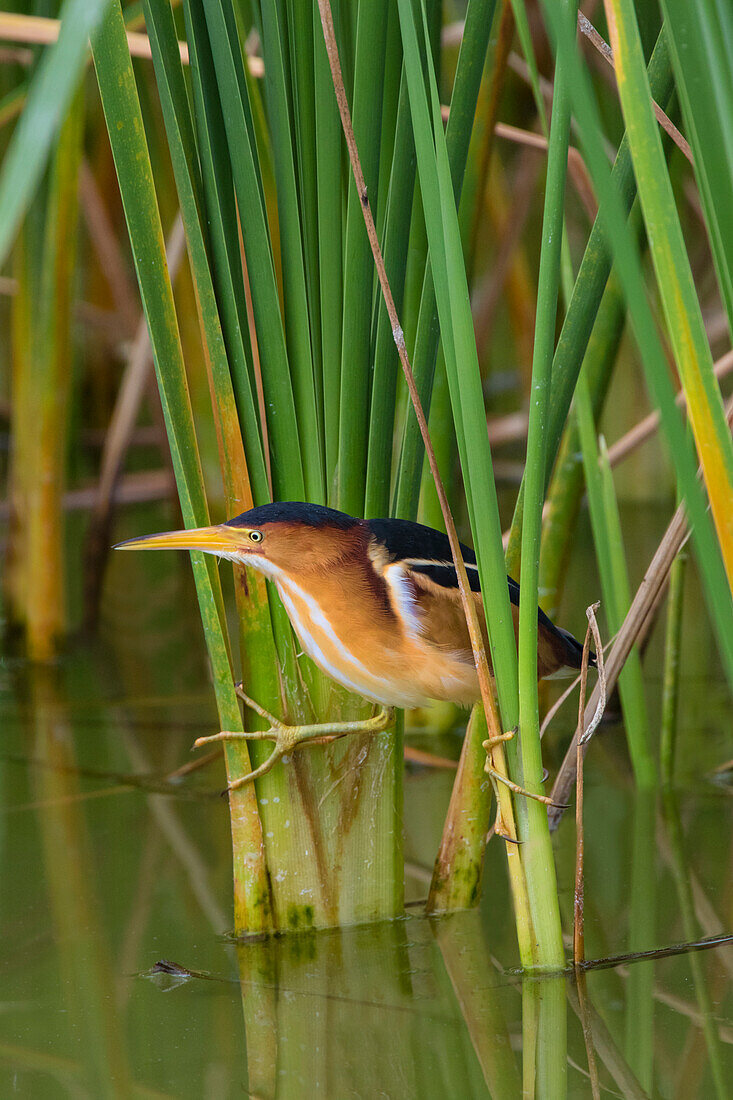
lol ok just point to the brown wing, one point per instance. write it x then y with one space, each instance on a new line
443 624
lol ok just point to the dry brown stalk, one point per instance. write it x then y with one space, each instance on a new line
124 416
576 165
587 29
131 489
37 30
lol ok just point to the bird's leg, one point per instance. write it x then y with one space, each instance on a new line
287 737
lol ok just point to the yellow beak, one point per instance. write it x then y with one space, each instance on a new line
218 539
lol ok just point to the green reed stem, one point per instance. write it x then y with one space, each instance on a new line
129 149
671 675
567 485
328 144
358 267
396 238
699 37
615 585
49 99
537 854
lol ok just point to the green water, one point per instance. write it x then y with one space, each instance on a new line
109 868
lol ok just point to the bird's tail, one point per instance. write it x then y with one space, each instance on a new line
574 650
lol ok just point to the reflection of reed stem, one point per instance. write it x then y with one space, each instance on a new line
691 929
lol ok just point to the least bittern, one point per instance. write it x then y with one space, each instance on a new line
374 602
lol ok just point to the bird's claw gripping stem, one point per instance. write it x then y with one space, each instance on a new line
489 744
287 737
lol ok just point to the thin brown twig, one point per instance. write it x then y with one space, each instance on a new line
587 29
428 759
595 721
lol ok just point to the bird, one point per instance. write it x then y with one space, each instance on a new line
374 602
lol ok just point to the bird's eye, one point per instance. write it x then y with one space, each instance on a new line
255 536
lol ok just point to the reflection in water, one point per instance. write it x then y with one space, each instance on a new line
83 960
639 1042
408 1008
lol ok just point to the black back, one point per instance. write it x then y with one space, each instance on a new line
404 539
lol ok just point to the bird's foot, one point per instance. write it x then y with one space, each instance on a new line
490 743
287 737
500 739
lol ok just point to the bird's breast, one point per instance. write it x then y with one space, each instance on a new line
370 650
347 644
